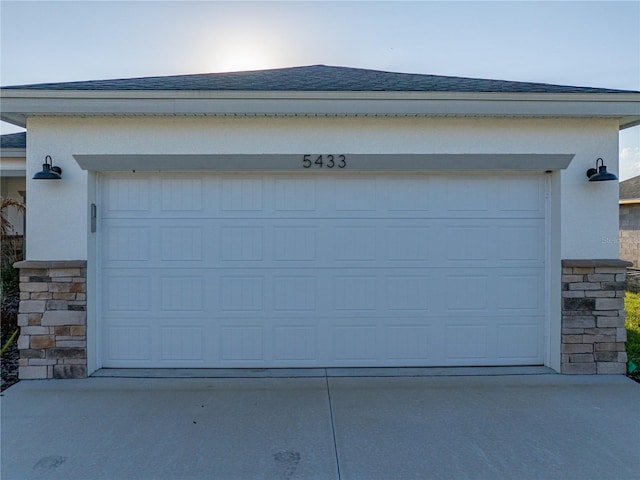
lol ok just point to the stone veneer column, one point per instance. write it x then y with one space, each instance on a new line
52 319
593 333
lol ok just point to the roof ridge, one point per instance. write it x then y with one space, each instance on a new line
317 77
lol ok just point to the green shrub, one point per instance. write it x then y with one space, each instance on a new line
10 280
632 323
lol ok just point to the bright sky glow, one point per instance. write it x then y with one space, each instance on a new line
240 57
592 43
242 49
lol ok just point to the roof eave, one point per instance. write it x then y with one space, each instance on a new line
17 105
12 163
318 94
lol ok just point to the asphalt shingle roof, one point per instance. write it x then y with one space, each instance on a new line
630 189
14 140
316 78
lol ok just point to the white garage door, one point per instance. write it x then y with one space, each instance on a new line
203 270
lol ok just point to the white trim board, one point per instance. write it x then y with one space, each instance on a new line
18 105
354 162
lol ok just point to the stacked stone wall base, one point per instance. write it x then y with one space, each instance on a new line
593 316
52 319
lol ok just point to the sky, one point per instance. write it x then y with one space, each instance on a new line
585 43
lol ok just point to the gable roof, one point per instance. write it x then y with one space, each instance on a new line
319 78
14 140
316 90
630 189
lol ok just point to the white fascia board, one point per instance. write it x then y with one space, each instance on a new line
17 105
13 153
12 166
12 173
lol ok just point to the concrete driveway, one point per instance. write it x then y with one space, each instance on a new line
541 426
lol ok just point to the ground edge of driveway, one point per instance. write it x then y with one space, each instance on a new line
320 372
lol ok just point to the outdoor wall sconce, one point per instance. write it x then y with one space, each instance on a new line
600 174
49 171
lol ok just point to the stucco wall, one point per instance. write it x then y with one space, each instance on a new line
630 233
58 218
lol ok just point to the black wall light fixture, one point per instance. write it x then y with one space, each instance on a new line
49 171
600 174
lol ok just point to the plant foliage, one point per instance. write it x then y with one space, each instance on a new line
11 252
10 280
632 323
5 203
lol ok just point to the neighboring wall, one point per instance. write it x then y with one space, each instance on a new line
10 188
630 233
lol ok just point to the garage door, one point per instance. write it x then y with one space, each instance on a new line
290 270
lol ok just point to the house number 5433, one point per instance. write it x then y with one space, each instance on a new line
324 161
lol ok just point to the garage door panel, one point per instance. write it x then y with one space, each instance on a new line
467 341
355 194
521 194
184 343
181 195
409 343
295 293
295 243
521 242
274 292
242 194
411 196
180 243
296 197
520 341
333 196
332 270
407 292
355 243
127 195
467 243
241 243
127 243
147 341
467 292
325 244
467 194
242 293
521 292
354 343
354 292
295 342
405 243
182 293
242 344
126 292
127 344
